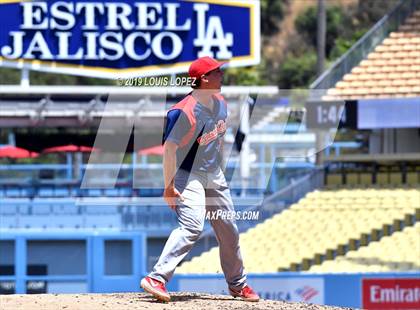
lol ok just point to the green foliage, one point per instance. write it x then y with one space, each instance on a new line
10 76
371 11
42 78
338 24
297 71
271 16
345 25
244 76
342 44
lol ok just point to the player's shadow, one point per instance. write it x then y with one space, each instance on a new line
187 297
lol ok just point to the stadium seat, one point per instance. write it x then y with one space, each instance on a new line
382 178
352 179
46 192
398 252
61 192
395 178
334 179
42 206
112 192
65 207
102 221
101 209
35 221
67 221
8 209
338 220
413 178
365 178
13 192
8 221
93 192
390 71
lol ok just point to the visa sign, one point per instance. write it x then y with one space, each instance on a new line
130 38
295 289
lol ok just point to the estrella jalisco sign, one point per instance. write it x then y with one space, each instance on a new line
127 38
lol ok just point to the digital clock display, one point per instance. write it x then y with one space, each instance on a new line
331 114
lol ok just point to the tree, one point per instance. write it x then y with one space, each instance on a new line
321 32
338 24
271 15
297 71
10 76
245 76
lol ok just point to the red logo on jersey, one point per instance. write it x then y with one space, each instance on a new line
206 138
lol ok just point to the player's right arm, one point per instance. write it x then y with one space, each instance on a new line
170 194
177 126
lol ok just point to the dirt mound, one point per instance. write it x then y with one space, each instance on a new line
123 301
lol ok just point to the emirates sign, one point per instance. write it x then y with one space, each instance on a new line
391 293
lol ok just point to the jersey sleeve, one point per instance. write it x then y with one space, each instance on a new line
177 126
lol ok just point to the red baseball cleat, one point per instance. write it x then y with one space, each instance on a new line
247 294
156 288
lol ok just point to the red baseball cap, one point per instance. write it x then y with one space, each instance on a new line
203 65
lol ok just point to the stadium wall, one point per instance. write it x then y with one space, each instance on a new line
346 290
104 262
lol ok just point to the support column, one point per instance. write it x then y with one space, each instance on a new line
245 151
24 78
11 138
388 141
20 264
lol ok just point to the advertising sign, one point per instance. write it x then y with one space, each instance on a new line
388 113
309 290
391 293
127 38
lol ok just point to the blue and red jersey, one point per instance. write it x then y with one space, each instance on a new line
198 132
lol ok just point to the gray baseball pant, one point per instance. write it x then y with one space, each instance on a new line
202 191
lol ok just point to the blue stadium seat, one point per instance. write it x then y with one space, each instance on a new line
169 218
103 221
68 221
94 192
61 192
125 192
35 221
24 208
8 221
141 219
8 209
13 192
65 207
154 220
42 206
74 192
19 205
26 192
112 192
127 217
107 209
46 192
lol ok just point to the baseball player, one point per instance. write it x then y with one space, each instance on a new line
195 183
